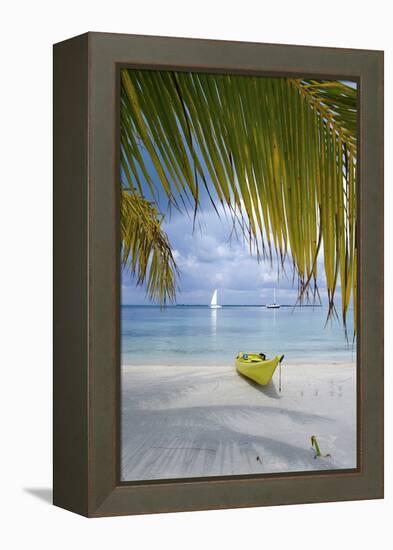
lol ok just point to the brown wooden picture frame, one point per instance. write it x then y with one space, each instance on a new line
87 275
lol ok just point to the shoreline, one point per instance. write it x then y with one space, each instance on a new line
183 365
201 421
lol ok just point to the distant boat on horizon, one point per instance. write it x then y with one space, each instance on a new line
213 303
274 305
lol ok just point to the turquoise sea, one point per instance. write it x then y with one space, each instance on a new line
198 335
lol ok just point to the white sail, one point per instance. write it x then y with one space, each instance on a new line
213 303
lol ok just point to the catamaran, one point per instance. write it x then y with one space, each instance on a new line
213 303
274 305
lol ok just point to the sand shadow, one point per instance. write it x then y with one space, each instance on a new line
211 449
269 390
44 494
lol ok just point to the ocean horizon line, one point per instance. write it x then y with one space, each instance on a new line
222 305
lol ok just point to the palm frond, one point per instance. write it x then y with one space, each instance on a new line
146 250
278 153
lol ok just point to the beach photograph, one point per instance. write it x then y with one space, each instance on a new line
238 275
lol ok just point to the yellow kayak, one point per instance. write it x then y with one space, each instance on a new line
256 367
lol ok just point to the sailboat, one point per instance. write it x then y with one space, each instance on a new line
213 303
273 305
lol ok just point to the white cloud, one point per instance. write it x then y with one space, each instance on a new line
210 256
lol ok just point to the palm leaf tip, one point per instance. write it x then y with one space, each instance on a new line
146 251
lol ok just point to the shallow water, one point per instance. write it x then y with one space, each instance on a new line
198 335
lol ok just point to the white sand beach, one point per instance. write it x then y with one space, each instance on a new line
209 421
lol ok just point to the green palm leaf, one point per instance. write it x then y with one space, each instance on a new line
278 153
146 251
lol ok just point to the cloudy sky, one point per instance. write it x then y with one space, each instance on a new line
208 257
